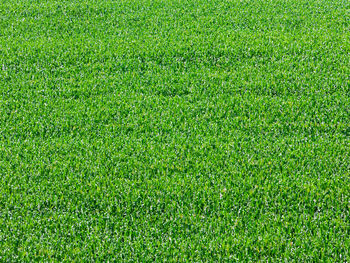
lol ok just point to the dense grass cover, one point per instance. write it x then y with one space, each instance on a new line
181 130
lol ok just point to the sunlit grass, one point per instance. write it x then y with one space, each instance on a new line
174 130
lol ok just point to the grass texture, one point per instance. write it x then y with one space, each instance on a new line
175 130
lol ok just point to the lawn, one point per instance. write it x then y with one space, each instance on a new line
175 130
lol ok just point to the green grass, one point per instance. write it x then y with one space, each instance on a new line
174 130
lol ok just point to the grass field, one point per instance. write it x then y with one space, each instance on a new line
175 130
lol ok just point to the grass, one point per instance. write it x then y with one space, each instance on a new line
175 130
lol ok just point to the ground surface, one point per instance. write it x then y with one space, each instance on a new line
174 130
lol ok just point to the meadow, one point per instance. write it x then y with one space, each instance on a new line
175 130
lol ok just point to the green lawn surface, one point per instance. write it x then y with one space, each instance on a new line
175 130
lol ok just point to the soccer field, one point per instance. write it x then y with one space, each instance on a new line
175 130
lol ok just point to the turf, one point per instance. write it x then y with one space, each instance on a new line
175 130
